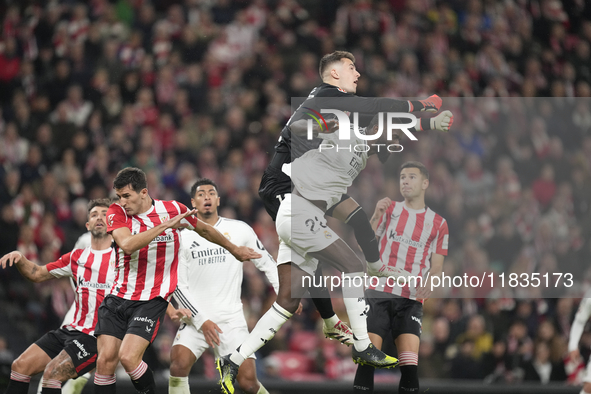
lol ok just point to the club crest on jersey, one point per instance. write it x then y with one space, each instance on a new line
327 234
164 218
227 235
110 219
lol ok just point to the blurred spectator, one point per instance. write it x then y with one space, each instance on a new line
544 187
202 89
541 369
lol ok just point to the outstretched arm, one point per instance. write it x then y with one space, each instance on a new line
300 127
131 243
242 253
27 268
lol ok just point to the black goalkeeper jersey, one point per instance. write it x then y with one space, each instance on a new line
275 183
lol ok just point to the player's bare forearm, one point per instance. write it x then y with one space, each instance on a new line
212 235
374 222
131 243
26 267
381 208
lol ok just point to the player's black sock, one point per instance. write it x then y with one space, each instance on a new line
364 234
409 379
363 382
47 390
105 389
16 387
321 297
143 379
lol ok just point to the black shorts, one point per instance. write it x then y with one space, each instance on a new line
80 347
395 315
117 317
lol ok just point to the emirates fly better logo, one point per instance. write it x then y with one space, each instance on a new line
391 120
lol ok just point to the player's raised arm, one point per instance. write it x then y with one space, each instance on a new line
242 253
27 268
131 243
381 208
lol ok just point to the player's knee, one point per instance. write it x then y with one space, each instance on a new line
248 384
129 361
19 366
50 372
106 363
179 368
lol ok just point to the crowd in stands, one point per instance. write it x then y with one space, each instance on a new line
193 88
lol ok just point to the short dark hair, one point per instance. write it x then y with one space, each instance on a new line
331 58
201 182
416 164
99 202
131 176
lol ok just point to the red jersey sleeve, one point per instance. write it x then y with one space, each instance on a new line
190 220
62 267
442 239
117 218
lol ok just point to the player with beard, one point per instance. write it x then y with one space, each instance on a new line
70 351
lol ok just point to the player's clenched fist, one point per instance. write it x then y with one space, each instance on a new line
443 121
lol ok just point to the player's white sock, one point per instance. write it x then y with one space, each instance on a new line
354 299
178 385
262 389
375 264
266 328
75 386
332 321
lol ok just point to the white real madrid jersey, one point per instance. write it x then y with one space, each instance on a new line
210 278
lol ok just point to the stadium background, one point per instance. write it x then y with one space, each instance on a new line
188 89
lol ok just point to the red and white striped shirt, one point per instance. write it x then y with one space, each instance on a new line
406 238
93 272
151 271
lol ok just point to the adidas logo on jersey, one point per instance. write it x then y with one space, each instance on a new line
194 245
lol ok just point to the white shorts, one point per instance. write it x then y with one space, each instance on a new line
302 229
233 334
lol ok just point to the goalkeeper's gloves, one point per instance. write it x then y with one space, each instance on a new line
441 122
430 104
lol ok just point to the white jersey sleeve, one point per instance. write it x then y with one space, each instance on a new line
266 263
583 314
182 294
